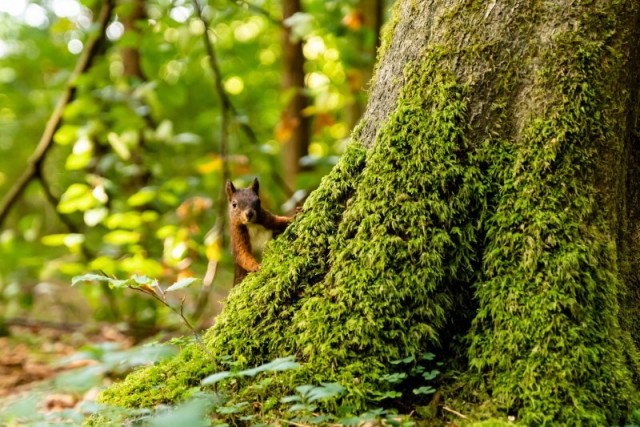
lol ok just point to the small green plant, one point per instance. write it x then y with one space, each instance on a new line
277 365
416 375
147 286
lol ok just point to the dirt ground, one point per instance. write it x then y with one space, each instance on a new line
30 359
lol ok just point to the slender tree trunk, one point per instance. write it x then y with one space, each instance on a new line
487 211
297 125
131 54
372 12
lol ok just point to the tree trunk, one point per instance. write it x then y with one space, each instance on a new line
359 75
135 11
296 144
487 211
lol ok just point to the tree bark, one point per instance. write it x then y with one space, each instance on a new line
130 54
486 211
360 76
296 144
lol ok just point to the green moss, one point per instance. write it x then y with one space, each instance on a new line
546 335
438 223
365 276
385 36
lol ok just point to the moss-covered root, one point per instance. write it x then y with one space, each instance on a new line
251 327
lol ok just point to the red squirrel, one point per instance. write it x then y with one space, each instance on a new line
248 219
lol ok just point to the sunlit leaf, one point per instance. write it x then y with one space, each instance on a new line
122 237
183 283
126 220
214 251
119 145
211 163
54 239
78 161
89 278
93 217
141 280
78 197
66 134
142 197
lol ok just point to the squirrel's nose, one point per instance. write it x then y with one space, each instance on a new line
251 215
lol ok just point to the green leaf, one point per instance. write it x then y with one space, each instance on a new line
232 409
291 398
183 283
69 240
122 237
119 145
424 390
23 407
93 217
394 378
430 375
78 197
212 379
141 280
142 197
302 407
89 278
280 364
66 134
191 413
81 379
326 391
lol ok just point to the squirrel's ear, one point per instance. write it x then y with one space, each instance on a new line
255 185
230 189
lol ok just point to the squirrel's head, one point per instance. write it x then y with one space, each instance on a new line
244 203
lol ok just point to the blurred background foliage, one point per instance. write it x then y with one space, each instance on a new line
132 181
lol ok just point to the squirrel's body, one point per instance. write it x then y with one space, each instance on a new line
251 227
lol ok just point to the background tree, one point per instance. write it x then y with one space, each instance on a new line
486 210
132 177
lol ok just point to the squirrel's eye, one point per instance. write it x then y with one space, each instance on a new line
234 204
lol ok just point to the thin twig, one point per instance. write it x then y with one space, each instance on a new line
180 313
454 412
46 140
212 269
228 105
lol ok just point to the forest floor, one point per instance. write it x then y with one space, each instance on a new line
53 374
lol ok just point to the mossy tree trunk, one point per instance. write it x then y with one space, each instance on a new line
487 210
